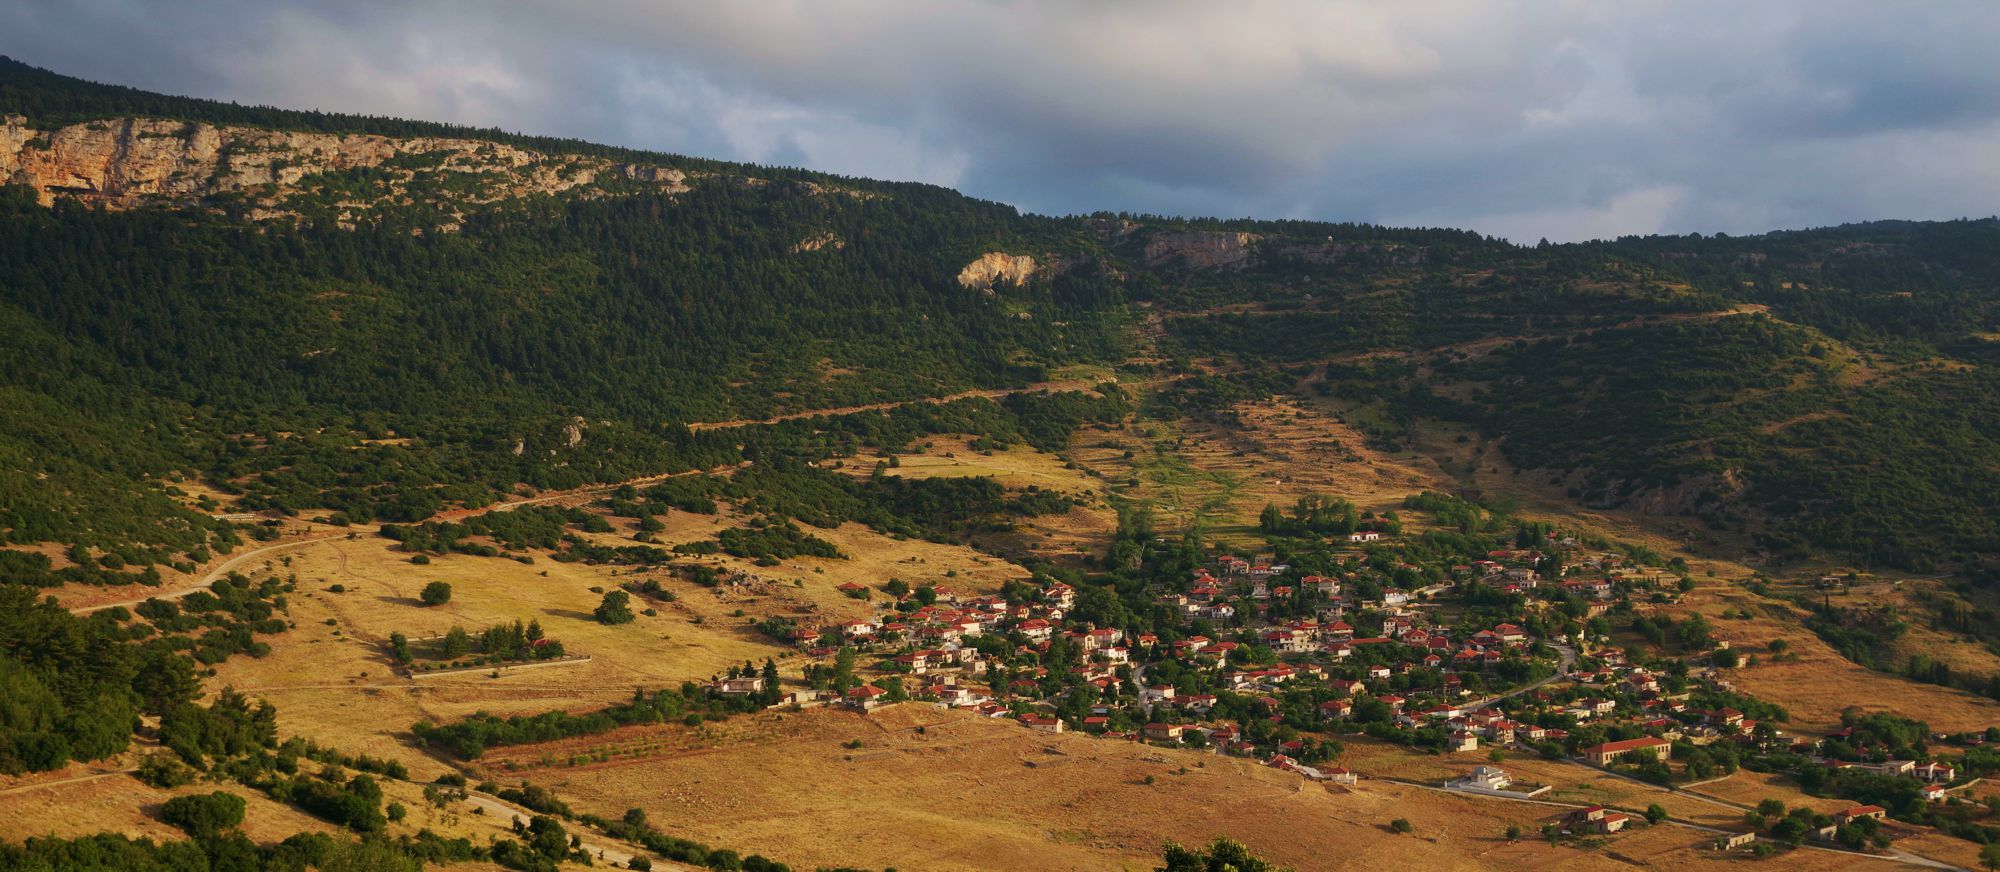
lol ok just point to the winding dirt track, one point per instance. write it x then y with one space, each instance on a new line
217 570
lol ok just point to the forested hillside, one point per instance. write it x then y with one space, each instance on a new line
387 342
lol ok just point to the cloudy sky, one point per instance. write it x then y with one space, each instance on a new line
1565 120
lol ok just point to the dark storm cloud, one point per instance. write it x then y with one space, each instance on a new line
1560 119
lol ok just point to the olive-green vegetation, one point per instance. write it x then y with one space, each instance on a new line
75 686
1823 391
469 738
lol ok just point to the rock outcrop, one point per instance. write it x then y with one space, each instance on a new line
1331 252
133 162
995 267
819 241
1200 249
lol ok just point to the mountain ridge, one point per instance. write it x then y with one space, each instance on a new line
283 310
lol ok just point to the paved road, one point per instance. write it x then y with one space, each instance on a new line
1568 659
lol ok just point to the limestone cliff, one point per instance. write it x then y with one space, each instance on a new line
1199 249
132 162
995 267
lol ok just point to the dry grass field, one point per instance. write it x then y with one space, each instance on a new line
1814 682
1075 537
331 675
120 803
919 788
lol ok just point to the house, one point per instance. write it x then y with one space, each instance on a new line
1611 752
1486 778
1862 811
1043 723
1935 773
1364 536
960 695
867 697
1599 819
1342 776
1735 840
1463 740
1933 793
1164 732
1036 630
744 686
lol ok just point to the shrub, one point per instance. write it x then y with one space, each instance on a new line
163 770
615 609
436 593
204 814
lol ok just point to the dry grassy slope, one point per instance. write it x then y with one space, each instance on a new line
331 679
78 802
104 797
942 790
1075 537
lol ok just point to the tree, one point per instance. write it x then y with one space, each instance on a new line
615 609
456 642
772 693
1655 813
436 593
547 837
204 814
1513 832
1989 856
1221 855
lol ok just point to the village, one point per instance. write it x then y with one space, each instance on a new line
1512 652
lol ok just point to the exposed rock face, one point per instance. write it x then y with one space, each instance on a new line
993 267
132 162
819 241
1200 249
1331 252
